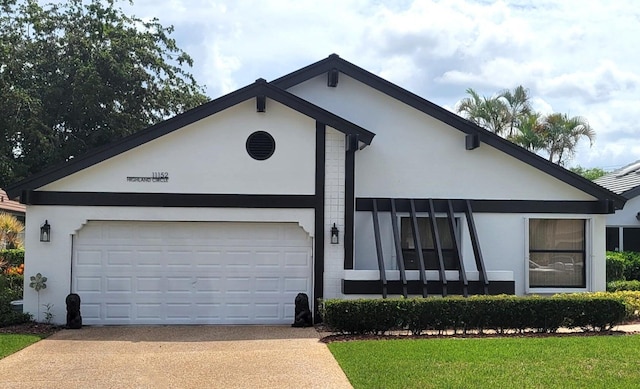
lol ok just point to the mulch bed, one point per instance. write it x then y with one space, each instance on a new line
489 334
31 328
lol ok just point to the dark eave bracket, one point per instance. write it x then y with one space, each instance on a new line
472 141
332 77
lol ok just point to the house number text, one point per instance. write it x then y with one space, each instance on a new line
155 177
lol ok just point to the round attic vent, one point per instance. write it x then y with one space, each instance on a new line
260 145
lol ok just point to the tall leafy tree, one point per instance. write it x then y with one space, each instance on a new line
79 74
589 173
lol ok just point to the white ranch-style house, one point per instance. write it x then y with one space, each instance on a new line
329 181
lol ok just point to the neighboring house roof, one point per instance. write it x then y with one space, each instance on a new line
276 91
10 206
624 181
334 62
258 89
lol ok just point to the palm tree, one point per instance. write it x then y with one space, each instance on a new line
531 133
518 107
487 112
562 135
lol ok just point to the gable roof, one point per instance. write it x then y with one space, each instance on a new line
334 62
624 181
259 88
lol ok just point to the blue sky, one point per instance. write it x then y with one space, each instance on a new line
578 57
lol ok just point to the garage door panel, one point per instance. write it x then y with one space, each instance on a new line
118 311
297 259
86 285
89 257
207 273
119 285
268 285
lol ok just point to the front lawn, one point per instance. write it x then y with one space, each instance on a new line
10 343
544 362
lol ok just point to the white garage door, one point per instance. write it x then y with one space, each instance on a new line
191 272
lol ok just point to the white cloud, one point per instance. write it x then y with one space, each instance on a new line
576 56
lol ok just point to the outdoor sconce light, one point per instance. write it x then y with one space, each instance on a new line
638 216
45 232
334 234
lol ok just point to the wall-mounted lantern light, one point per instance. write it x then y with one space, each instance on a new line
334 234
638 216
45 232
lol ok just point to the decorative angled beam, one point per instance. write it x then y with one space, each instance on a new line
332 77
456 248
261 103
398 244
418 247
376 232
475 243
438 246
472 141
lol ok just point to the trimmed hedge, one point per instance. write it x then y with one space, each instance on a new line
615 286
478 313
15 257
631 300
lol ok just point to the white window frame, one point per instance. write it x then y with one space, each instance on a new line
588 255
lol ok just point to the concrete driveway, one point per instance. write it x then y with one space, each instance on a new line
175 357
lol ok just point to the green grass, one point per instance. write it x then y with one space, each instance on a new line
550 362
10 343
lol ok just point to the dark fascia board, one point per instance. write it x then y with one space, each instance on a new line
631 193
259 88
450 118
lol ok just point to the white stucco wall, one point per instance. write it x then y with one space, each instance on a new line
416 156
53 259
209 156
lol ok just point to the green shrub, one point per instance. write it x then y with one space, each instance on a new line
12 285
7 315
615 266
589 312
14 257
631 300
615 286
632 266
630 262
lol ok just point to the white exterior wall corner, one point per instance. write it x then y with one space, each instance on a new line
626 217
334 210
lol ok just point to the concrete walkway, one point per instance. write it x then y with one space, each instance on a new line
175 357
